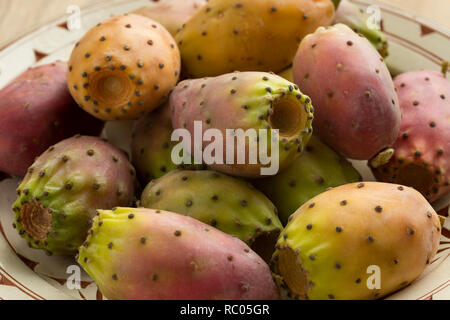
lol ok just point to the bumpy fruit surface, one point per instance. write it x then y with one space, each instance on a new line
318 169
229 204
63 188
172 14
248 35
156 255
37 111
361 22
123 68
152 146
357 109
422 149
245 100
335 241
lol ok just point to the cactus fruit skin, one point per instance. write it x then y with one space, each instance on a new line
354 86
245 100
123 68
227 35
172 14
63 188
152 146
318 169
326 248
228 204
143 254
422 150
350 15
38 98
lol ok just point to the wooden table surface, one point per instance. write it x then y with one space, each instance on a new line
18 17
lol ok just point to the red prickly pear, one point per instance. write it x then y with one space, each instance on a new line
422 150
357 110
37 111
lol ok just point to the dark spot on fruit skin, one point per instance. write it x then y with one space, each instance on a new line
360 185
378 209
312 205
177 233
309 226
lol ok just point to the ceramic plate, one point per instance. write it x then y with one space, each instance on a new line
30 274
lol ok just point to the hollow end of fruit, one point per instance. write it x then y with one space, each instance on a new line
264 244
290 268
111 88
416 176
288 117
36 220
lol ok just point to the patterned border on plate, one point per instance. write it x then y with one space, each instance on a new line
20 265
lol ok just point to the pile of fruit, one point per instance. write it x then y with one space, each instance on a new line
147 228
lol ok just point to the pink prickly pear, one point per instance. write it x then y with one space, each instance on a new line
422 149
357 111
157 255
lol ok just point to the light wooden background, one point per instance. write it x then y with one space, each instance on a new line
18 17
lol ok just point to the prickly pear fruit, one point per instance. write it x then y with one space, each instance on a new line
123 68
248 35
37 111
318 169
172 14
229 204
335 241
152 146
360 22
422 149
354 86
156 255
63 188
245 100
287 74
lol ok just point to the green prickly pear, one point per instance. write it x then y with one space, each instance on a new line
337 240
64 187
152 146
318 169
229 204
360 22
144 254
